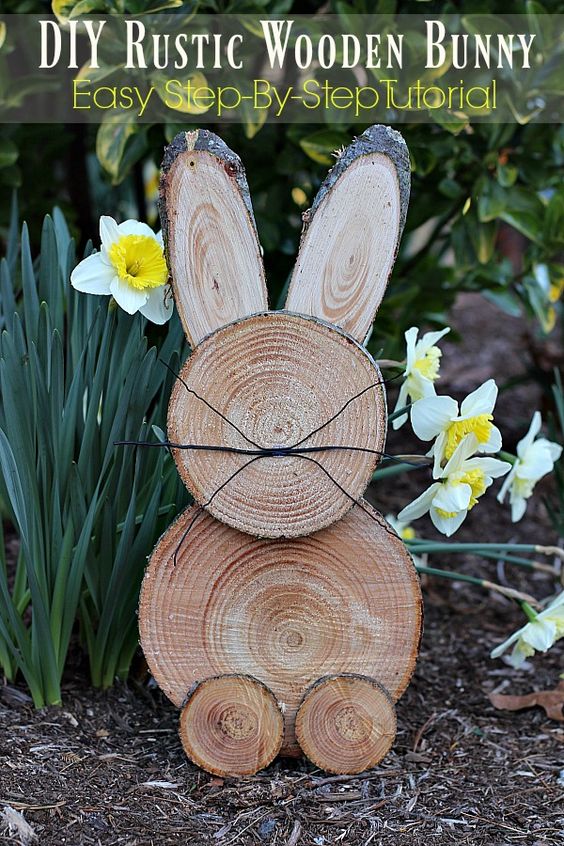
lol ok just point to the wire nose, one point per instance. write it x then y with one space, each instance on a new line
278 451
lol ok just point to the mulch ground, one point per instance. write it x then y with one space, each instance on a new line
108 768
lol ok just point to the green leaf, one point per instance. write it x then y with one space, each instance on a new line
7 298
321 146
525 212
43 658
188 106
111 141
492 200
66 10
453 122
541 24
554 218
506 300
8 152
507 175
29 287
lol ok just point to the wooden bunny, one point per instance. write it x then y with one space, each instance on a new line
281 612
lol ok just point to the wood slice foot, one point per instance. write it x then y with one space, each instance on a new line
231 725
346 723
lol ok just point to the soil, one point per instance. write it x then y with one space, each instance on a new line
107 768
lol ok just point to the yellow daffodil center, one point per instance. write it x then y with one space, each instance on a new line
408 533
550 319
139 261
428 365
522 487
556 290
477 480
446 514
480 426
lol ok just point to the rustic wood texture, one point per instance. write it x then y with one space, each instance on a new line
346 723
210 234
287 612
231 725
352 232
292 590
278 377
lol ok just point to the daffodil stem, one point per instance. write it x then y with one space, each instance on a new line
557 551
399 412
497 554
390 362
410 458
393 471
507 456
422 545
448 574
483 583
521 562
432 546
530 612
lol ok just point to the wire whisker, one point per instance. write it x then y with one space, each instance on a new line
199 511
337 484
296 450
277 452
209 502
349 496
210 406
344 407
196 447
249 440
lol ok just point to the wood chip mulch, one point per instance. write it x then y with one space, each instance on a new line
107 768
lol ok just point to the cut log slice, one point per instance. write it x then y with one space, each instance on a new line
346 724
210 235
231 726
352 231
274 381
287 612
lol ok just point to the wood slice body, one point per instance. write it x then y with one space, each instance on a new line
231 725
287 612
278 377
346 723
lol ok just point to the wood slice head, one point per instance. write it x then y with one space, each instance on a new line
287 612
260 380
276 378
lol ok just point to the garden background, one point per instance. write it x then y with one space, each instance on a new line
482 252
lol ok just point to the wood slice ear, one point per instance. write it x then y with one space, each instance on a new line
352 232
210 234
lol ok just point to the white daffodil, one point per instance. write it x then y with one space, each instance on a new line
535 458
462 482
403 530
543 630
421 369
441 418
130 266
